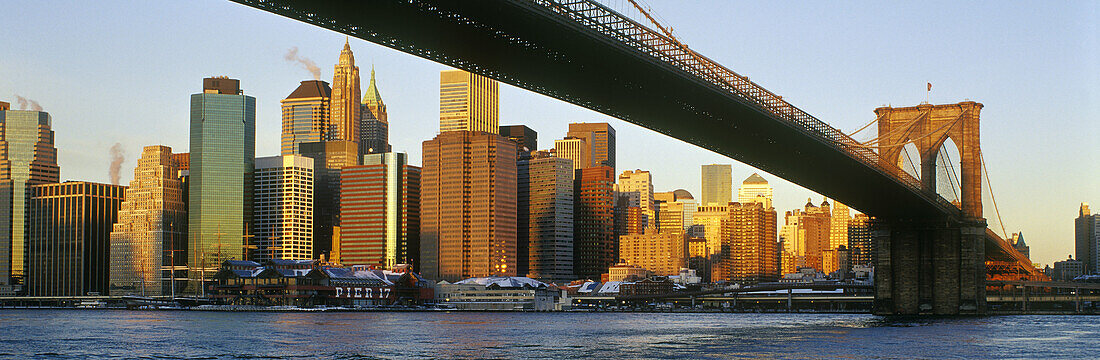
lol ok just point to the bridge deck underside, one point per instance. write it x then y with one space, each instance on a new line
521 43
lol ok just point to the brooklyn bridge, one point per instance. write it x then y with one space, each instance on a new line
933 256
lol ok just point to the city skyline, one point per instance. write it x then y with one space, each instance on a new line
674 164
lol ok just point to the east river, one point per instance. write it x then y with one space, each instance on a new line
81 334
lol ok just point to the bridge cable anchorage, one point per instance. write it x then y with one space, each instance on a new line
903 143
988 184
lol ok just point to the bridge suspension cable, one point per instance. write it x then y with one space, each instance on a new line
903 143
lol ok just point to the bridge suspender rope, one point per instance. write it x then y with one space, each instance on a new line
950 170
994 198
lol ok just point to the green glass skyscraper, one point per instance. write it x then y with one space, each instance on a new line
27 157
223 147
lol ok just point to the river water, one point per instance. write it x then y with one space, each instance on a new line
80 334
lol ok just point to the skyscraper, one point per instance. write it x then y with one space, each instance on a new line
345 98
600 139
306 116
150 234
222 160
69 237
329 157
574 149
380 212
468 102
594 247
637 188
468 206
27 157
711 221
805 236
838 231
860 247
717 185
755 186
374 124
749 247
675 211
1087 239
283 208
545 231
526 137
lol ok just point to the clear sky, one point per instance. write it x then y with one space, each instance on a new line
122 71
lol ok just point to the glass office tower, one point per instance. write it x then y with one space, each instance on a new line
27 157
223 146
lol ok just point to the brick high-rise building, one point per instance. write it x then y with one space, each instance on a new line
594 247
380 212
151 232
329 157
69 237
805 237
468 206
749 248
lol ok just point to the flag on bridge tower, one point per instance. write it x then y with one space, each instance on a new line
929 86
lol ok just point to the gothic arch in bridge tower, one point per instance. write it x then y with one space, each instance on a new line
928 127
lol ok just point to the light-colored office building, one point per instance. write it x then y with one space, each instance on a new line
717 185
755 189
662 253
283 208
574 149
636 186
468 102
345 99
149 240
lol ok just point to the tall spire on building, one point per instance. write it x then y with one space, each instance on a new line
345 90
372 97
346 57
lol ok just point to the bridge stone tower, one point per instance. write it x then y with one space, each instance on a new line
928 127
932 265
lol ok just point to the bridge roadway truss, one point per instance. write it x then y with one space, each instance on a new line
584 53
